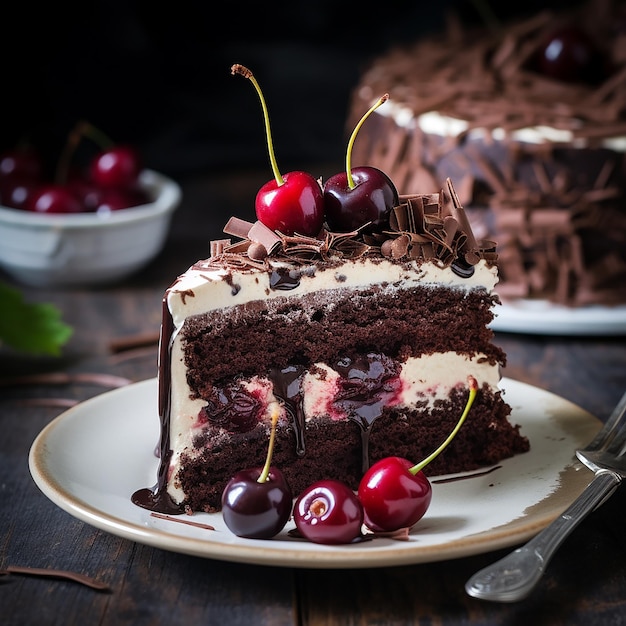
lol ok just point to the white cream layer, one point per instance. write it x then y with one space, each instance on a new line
434 123
200 290
428 378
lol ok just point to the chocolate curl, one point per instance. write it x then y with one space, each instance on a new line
238 227
421 231
470 245
261 234
218 246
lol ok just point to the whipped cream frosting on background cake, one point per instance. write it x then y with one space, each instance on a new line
538 162
364 342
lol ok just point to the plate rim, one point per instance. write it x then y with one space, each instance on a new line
542 317
260 552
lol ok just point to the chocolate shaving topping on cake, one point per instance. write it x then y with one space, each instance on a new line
421 227
433 226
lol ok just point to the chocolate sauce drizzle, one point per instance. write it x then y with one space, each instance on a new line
157 498
366 386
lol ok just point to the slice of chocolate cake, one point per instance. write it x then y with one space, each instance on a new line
364 342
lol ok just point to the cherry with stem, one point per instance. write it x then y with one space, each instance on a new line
394 492
257 502
360 197
290 203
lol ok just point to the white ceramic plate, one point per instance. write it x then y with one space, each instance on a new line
541 317
90 459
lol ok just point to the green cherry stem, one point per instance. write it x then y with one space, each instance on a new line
473 389
246 73
270 450
381 100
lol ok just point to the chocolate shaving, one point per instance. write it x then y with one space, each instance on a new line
218 246
56 573
182 521
433 226
131 342
237 227
422 226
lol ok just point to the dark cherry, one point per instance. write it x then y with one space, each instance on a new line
233 408
118 166
328 512
370 200
393 497
360 195
253 509
15 193
21 164
53 199
569 55
256 503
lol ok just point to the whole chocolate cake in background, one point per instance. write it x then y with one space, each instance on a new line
529 120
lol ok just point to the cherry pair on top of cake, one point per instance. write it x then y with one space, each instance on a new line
296 202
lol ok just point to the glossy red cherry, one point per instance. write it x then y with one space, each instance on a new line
253 509
118 166
393 497
395 493
294 206
53 199
16 193
292 203
360 195
570 55
328 512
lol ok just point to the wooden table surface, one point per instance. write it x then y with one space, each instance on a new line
584 584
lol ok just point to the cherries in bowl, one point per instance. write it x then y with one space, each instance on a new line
71 249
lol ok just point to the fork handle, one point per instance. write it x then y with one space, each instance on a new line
513 577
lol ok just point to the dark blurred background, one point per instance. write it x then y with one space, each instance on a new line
157 75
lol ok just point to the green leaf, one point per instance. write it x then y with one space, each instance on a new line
30 327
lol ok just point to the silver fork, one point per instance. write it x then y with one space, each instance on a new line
513 577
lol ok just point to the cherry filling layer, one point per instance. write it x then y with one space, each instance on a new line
359 390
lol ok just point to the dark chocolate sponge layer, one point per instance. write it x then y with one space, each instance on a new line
325 326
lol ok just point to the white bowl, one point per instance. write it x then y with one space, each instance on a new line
87 248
